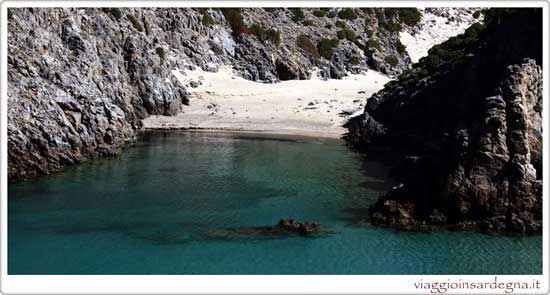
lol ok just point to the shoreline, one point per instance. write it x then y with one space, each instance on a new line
268 134
313 108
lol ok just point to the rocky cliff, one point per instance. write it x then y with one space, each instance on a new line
465 127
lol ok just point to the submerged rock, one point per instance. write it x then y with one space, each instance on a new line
284 228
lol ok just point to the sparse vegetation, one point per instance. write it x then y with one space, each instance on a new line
308 22
207 20
319 13
369 32
391 60
409 16
372 43
161 53
264 34
390 13
297 14
454 49
400 47
347 13
114 11
135 23
326 47
340 24
303 42
355 60
235 19
332 14
346 34
391 26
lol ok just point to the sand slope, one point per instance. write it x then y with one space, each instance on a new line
302 107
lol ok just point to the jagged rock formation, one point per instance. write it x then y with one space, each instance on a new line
466 125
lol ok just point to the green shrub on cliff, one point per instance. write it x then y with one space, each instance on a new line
264 34
297 14
303 42
340 24
391 60
326 47
207 20
161 53
369 32
319 13
235 19
409 16
390 13
114 11
391 26
347 13
400 47
135 23
454 49
372 43
346 34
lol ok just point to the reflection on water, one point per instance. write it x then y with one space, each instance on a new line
177 203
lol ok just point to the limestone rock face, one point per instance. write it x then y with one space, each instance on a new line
79 83
468 136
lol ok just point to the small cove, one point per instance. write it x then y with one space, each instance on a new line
152 210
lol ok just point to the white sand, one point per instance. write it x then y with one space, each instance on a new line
225 101
435 29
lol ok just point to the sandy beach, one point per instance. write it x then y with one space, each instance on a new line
312 107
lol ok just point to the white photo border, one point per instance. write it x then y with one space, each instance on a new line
254 284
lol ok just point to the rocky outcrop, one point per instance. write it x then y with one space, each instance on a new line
465 125
284 228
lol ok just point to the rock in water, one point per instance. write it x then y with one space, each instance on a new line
466 126
284 228
301 228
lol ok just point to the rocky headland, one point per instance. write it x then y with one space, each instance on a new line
464 130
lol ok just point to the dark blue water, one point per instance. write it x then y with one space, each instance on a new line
154 209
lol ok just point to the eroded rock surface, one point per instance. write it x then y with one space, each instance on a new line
466 130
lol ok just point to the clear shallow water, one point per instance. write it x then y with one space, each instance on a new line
152 211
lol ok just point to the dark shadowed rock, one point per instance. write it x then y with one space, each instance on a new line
466 133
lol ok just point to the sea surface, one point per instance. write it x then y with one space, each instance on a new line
167 204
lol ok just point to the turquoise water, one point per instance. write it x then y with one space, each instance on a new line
152 210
